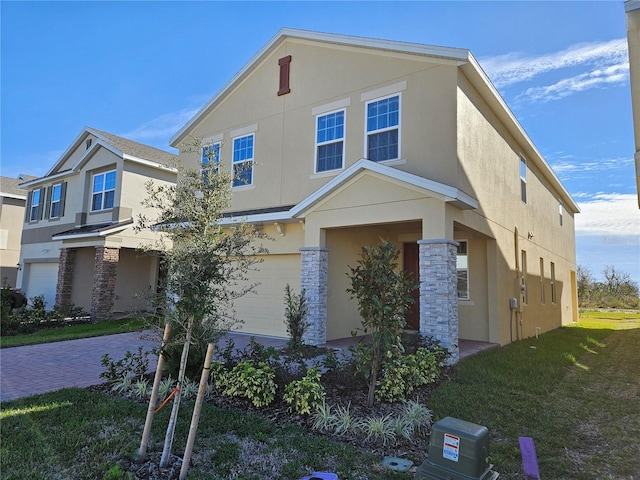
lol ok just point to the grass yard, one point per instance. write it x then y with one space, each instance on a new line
74 332
575 391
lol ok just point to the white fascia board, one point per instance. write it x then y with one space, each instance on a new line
631 5
13 195
149 163
47 179
258 218
512 121
451 194
456 54
69 150
103 233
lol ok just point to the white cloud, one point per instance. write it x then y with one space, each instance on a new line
513 68
566 169
159 130
611 215
612 74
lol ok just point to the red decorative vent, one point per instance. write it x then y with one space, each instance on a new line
284 63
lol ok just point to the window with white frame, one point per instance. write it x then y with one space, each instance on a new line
103 191
523 179
330 141
560 212
542 298
243 160
34 213
210 156
553 283
383 129
56 197
462 270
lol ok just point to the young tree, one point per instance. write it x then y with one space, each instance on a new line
206 263
383 293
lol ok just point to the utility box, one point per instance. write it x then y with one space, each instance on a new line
458 450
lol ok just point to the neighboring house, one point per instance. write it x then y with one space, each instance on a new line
335 142
632 8
12 203
78 242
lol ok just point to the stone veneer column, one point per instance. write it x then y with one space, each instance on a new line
314 274
438 293
104 282
64 286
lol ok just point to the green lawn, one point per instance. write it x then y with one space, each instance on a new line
574 390
73 332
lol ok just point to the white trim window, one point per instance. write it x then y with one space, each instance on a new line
103 191
462 269
56 198
211 153
330 141
560 210
383 129
552 282
34 214
523 179
243 160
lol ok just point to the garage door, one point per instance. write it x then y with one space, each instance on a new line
263 311
42 280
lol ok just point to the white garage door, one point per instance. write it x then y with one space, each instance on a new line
42 280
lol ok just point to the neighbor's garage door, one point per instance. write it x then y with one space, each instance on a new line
263 311
42 280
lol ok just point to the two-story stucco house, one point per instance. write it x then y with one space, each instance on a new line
12 204
335 142
632 10
78 242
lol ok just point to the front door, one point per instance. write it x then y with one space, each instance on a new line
412 268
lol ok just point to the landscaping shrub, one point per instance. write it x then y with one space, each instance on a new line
247 379
305 395
132 365
295 317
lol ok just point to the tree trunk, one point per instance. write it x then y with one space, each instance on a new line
171 427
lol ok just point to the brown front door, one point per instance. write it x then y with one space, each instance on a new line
412 268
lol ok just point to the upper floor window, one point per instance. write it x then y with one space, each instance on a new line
523 179
553 283
104 190
211 155
330 141
56 197
462 269
243 160
560 212
34 212
383 129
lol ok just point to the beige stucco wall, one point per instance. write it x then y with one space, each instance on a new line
285 133
11 220
490 171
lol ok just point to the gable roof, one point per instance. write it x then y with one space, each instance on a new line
463 58
9 187
449 194
122 147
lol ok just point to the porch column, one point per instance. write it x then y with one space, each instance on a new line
64 286
104 282
314 274
438 293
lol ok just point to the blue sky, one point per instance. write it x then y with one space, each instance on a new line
142 69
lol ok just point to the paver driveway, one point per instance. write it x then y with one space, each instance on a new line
34 369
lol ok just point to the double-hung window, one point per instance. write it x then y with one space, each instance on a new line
523 179
34 213
210 156
243 160
330 141
56 197
104 191
383 129
462 270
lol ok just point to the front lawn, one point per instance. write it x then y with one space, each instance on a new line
73 332
574 391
